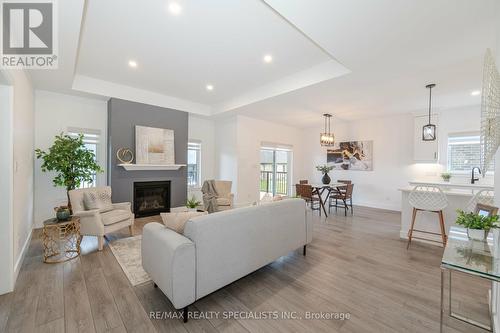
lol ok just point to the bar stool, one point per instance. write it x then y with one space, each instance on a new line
427 198
484 196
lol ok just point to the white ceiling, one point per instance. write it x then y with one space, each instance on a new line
356 59
220 43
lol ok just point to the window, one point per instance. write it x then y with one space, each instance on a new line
275 176
91 142
464 152
194 164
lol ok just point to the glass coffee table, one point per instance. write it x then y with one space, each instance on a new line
473 257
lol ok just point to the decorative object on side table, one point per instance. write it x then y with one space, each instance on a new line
479 223
325 169
62 213
125 155
446 176
72 162
192 204
61 240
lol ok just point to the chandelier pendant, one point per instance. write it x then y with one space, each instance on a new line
327 138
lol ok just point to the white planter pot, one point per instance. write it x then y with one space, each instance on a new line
477 234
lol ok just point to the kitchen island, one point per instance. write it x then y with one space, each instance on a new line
458 196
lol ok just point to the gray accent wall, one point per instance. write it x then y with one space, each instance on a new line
123 116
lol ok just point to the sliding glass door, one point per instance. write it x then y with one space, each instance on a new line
275 171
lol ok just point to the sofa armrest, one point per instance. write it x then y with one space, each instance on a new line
122 206
169 259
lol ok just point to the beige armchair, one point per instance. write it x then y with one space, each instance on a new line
98 222
224 197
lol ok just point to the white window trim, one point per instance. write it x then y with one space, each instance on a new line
199 143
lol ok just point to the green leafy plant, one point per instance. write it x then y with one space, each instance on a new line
324 168
476 221
192 203
446 176
72 162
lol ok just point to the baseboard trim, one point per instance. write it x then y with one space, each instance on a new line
378 206
20 260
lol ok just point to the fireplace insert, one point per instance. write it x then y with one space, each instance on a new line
151 198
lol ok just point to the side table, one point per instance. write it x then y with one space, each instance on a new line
61 240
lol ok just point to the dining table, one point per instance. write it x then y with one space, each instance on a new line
319 189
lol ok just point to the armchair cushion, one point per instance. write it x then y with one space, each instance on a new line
100 199
115 216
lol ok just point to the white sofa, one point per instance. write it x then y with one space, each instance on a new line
220 248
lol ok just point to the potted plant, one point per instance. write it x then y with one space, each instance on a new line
72 162
62 213
325 169
446 176
192 204
477 225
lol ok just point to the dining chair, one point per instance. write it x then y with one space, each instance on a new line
345 196
428 198
305 191
343 181
303 182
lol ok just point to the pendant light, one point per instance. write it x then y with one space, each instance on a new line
429 130
327 139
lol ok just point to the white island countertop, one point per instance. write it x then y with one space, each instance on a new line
450 191
443 184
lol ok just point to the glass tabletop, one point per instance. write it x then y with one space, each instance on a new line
472 256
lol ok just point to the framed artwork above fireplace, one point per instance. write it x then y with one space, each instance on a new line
154 145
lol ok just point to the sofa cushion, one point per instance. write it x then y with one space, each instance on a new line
223 202
115 216
98 199
177 221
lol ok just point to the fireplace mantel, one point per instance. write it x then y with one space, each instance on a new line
142 167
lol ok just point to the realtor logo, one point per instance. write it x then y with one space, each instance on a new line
29 36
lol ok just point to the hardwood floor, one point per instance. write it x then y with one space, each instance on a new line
356 265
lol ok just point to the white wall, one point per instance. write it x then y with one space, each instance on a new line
251 133
23 164
6 191
54 113
17 173
393 165
226 150
238 142
203 129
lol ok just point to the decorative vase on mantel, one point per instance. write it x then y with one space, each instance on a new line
326 179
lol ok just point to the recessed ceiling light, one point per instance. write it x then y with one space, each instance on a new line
476 93
174 8
132 63
210 87
268 58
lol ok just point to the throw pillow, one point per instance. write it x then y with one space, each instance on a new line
177 221
98 199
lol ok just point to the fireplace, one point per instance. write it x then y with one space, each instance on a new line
151 198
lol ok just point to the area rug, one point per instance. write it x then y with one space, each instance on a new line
127 252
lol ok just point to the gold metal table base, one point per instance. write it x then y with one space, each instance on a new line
61 240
